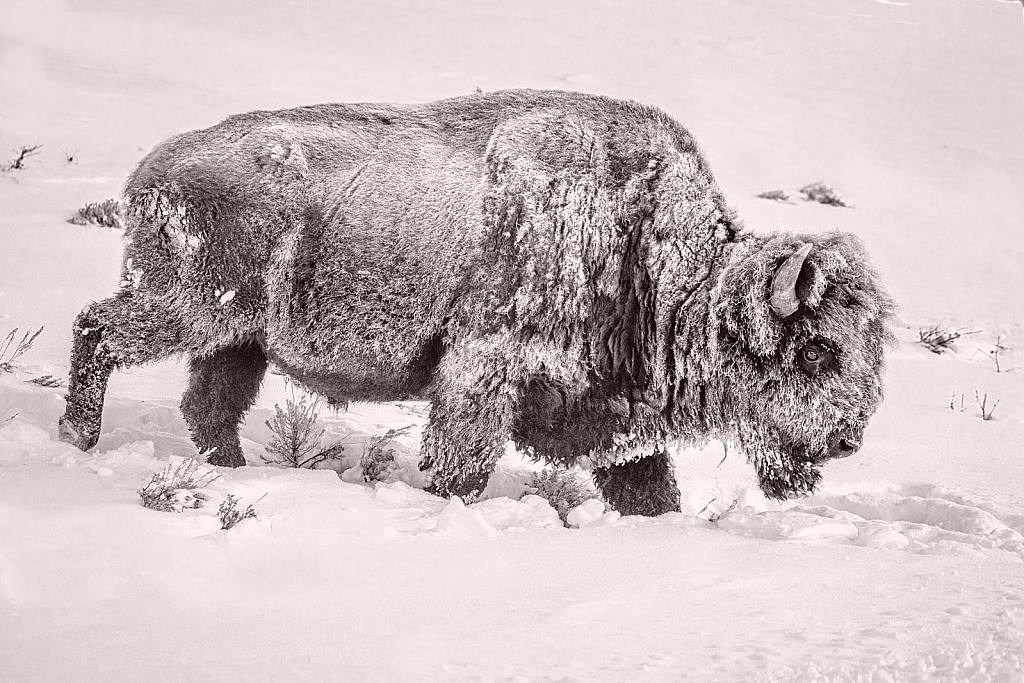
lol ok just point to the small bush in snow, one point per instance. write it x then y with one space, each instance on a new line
822 193
230 515
774 195
296 440
48 381
108 213
7 357
377 460
562 489
937 338
170 489
18 163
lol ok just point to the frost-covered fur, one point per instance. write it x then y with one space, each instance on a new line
556 267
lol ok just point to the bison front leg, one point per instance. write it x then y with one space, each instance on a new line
221 388
474 403
645 486
463 441
118 332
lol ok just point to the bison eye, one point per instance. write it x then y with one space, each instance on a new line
815 356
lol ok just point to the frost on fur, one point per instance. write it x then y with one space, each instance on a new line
557 268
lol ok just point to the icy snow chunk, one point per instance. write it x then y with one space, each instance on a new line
526 513
224 296
591 513
458 521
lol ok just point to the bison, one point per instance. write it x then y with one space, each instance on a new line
556 268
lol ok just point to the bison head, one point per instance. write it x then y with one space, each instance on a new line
802 323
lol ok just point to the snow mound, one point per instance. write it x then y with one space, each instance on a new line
788 524
529 512
130 457
590 513
459 521
923 525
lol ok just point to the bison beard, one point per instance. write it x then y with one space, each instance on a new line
556 268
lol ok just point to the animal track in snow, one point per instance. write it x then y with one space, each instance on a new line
938 522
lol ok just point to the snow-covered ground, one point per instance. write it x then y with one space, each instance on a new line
907 566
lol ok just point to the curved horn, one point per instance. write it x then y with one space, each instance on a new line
784 299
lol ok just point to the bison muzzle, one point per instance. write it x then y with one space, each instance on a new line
556 268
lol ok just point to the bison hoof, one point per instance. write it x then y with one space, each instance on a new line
69 433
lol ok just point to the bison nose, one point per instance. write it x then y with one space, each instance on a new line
843 445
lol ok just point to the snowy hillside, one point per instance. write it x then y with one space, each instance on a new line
908 565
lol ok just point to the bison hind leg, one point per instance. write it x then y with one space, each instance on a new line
122 331
221 388
645 486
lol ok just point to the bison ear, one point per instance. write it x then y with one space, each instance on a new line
785 301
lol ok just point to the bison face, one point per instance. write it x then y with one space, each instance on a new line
802 324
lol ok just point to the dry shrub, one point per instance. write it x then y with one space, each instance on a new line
563 490
108 213
170 490
7 356
823 194
377 460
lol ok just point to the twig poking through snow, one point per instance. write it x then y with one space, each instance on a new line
7 363
18 163
715 516
986 413
997 352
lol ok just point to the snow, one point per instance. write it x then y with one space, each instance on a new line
906 565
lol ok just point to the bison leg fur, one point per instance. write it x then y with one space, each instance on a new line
118 332
645 486
221 388
462 444
475 399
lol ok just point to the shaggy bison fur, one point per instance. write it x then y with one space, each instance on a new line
556 268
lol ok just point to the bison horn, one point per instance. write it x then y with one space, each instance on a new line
785 302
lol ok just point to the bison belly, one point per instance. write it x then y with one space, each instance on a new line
366 282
